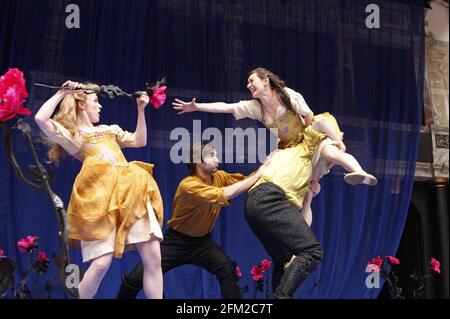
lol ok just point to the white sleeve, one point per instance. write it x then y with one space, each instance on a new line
298 102
247 108
60 135
124 138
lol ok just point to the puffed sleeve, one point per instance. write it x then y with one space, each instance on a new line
58 134
298 102
247 108
124 138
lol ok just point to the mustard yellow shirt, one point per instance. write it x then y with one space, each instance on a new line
197 204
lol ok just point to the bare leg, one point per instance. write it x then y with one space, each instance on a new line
357 175
151 259
322 125
93 277
332 154
306 208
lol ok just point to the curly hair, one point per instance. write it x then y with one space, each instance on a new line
67 117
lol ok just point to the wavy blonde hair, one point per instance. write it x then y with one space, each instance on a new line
67 117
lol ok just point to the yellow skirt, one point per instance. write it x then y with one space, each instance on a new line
110 199
316 142
291 168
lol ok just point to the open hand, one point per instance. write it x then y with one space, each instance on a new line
184 107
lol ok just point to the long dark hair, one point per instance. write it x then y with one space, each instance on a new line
276 84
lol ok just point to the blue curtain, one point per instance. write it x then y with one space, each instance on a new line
370 79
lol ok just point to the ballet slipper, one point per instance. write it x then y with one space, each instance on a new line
360 178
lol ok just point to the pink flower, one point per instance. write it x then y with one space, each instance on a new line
158 96
238 272
435 265
265 265
42 263
42 257
27 244
377 261
12 95
257 273
393 260
1 252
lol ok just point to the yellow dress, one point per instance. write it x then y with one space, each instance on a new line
291 168
114 203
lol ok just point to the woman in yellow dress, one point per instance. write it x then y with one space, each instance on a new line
115 205
281 108
284 109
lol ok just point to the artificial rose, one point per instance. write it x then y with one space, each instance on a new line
257 273
42 263
12 95
27 244
158 96
435 265
265 264
393 260
377 261
238 272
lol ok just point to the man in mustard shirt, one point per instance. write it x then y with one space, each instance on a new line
196 207
272 211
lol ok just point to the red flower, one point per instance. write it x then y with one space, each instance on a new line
1 252
12 95
238 272
377 262
393 260
158 96
42 264
257 273
43 257
265 265
435 265
27 244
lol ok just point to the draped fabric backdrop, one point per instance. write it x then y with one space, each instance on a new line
370 79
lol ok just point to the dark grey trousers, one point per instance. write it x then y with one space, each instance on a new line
281 229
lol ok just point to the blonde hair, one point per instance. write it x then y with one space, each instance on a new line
67 117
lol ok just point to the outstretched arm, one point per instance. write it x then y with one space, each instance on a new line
216 107
240 187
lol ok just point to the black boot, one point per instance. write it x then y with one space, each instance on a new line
126 291
229 281
230 288
277 273
294 273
